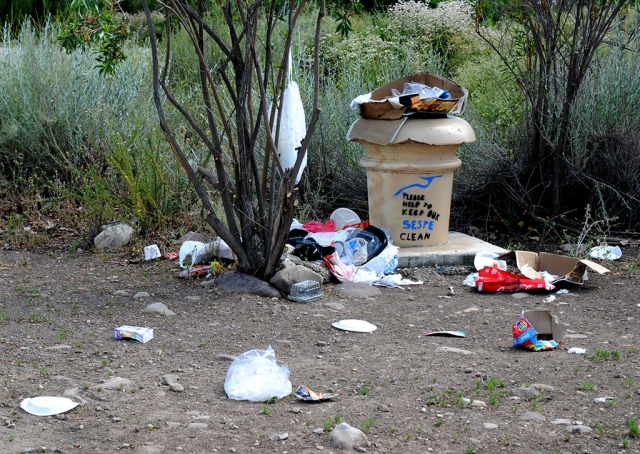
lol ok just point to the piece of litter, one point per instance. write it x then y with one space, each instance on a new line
305 291
305 393
562 291
137 333
447 297
446 333
577 350
358 326
602 400
451 290
47 405
605 252
550 298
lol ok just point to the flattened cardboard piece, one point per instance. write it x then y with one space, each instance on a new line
378 132
384 106
546 324
570 270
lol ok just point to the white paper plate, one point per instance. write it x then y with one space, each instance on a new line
47 405
359 326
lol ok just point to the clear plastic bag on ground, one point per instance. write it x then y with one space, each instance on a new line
255 376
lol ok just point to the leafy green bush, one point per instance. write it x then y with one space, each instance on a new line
70 132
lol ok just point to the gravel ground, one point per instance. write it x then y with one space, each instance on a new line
404 390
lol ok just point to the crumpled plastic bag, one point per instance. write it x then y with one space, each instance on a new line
202 253
255 376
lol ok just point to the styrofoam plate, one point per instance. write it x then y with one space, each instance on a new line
359 326
47 405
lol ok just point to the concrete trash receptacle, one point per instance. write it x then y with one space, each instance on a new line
410 165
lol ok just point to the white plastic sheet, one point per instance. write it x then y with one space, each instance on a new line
606 252
204 253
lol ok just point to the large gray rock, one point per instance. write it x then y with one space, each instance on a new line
286 277
234 281
579 429
532 416
357 290
159 308
115 383
113 237
321 270
343 436
523 391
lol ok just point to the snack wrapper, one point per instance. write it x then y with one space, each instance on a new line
525 336
305 393
491 279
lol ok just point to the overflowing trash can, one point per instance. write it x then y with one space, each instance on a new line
410 157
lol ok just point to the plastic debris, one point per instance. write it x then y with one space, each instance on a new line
358 326
197 270
255 376
470 280
304 393
484 259
550 299
562 291
395 281
446 333
577 350
305 291
606 252
47 405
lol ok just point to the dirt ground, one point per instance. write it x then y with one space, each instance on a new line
405 390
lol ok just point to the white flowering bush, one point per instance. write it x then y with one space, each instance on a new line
447 29
360 49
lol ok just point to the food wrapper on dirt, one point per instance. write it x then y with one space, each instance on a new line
305 393
194 271
525 336
491 279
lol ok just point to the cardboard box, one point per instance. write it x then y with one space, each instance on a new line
137 333
384 106
546 325
570 270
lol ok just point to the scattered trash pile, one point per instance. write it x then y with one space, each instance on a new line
351 249
420 95
542 271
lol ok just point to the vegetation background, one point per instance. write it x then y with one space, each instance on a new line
84 149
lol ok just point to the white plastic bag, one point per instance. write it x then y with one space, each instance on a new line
605 252
255 376
293 127
202 253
